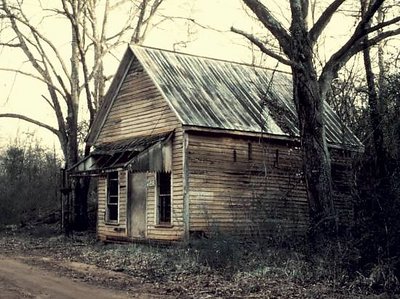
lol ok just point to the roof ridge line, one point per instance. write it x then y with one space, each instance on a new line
210 58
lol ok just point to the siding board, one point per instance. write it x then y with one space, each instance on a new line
266 194
140 110
227 188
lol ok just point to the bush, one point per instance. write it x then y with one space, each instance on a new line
220 252
28 182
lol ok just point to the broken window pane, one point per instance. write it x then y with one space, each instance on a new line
112 196
164 197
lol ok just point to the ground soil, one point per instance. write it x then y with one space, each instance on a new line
33 265
33 270
20 280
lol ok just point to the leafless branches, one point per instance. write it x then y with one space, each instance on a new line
30 120
263 47
79 75
324 20
351 47
310 90
266 17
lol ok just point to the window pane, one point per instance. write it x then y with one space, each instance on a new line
165 208
112 196
113 175
113 199
113 187
113 213
164 197
165 183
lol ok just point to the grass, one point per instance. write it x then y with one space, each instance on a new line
219 267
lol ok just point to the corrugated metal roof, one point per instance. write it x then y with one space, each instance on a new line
138 153
220 94
135 144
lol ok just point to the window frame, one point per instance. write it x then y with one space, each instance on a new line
108 197
158 220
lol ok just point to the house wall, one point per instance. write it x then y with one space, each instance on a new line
176 231
265 193
139 110
262 195
343 178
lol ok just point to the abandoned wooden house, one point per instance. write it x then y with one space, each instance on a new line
191 145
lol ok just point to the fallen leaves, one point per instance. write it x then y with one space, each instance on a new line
181 272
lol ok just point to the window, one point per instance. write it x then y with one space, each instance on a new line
276 162
112 197
249 151
164 197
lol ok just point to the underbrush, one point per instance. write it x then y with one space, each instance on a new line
221 266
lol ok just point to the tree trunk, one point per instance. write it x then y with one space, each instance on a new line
375 118
79 187
375 114
316 158
309 100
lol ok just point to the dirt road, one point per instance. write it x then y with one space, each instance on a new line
20 280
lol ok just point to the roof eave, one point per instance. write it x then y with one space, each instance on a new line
265 135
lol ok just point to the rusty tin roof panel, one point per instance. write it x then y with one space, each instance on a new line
134 144
226 95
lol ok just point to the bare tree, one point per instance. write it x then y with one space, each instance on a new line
310 87
77 77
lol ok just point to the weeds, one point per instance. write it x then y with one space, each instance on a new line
221 265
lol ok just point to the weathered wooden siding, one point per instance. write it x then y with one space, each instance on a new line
266 194
226 190
176 231
114 230
230 191
342 176
138 109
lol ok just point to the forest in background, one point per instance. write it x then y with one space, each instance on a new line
29 193
367 101
29 181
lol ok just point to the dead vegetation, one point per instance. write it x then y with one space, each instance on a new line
209 268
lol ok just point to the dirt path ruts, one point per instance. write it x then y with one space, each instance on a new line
19 280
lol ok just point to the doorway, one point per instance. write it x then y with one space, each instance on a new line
137 205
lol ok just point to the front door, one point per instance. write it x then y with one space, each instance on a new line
137 205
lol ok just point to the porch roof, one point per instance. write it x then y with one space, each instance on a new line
133 154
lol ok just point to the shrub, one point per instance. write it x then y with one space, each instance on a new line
28 181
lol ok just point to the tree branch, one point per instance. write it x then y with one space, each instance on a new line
335 63
136 35
73 18
354 44
152 12
32 76
271 23
37 34
324 20
10 45
382 25
48 101
374 41
32 121
261 46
